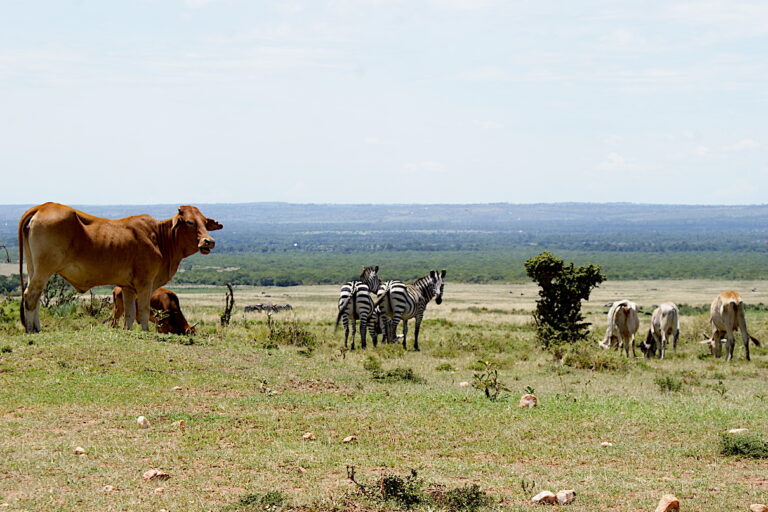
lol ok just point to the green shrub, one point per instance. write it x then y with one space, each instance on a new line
405 492
668 383
590 357
445 367
746 444
469 498
398 375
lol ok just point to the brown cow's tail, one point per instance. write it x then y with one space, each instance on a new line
23 232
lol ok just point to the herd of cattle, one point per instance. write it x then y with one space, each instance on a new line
139 254
726 316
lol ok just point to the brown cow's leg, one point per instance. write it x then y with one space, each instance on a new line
31 301
117 306
142 299
129 306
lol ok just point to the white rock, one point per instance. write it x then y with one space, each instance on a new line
528 401
545 498
156 474
79 451
668 503
606 444
737 430
107 488
463 384
143 422
758 507
565 497
349 439
309 436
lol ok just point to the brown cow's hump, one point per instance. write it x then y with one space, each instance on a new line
731 296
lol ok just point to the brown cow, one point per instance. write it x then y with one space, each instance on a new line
727 316
138 253
171 320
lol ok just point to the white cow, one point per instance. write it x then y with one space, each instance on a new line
727 316
665 323
623 323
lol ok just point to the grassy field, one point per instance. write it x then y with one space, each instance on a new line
249 392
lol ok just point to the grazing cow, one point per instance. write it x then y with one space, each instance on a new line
138 253
665 323
166 311
623 323
727 316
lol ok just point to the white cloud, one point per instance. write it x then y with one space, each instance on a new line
488 124
463 5
375 141
425 166
742 145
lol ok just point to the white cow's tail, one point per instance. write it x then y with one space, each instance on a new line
740 311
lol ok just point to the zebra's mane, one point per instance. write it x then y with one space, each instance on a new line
426 287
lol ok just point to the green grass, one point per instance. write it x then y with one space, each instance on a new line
246 404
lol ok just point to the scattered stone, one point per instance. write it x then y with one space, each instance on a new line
758 507
79 451
463 384
668 503
159 490
143 422
181 424
545 498
606 444
349 439
528 401
738 430
309 436
177 388
565 497
301 470
156 474
107 488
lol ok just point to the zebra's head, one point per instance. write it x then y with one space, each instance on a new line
437 277
370 276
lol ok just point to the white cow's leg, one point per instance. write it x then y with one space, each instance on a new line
129 303
663 343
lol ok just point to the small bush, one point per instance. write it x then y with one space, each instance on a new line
398 375
445 367
291 333
6 349
267 502
746 444
586 357
405 492
488 382
668 383
469 498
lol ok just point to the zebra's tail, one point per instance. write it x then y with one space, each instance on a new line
342 309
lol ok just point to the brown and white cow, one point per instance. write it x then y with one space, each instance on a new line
623 323
726 315
165 308
138 253
665 324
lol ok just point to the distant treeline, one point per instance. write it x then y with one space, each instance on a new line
483 266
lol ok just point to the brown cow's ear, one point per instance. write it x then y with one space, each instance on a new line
176 220
212 225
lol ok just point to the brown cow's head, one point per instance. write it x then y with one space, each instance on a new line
192 230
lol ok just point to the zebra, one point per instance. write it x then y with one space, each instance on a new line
355 301
400 301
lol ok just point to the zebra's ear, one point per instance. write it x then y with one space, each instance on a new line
442 273
432 274
375 268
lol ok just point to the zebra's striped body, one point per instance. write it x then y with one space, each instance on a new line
400 301
355 302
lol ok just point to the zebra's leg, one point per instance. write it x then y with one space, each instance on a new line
354 329
405 332
363 327
416 332
393 329
345 321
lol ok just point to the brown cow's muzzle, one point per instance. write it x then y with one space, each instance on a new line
206 245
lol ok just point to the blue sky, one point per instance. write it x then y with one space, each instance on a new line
383 101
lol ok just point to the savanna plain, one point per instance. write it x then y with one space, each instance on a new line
249 392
